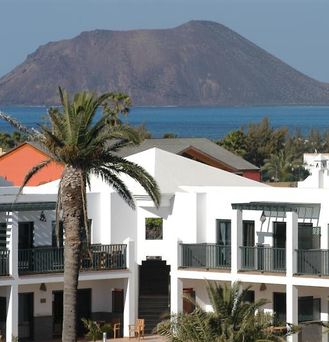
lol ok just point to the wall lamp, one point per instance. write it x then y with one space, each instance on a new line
262 217
43 287
42 217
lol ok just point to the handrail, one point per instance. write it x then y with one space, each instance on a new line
313 261
205 255
51 259
263 258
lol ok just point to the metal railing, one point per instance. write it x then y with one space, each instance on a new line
51 259
4 262
205 255
313 261
263 259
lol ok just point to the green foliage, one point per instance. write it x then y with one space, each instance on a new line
8 141
233 319
235 142
278 153
95 330
170 136
153 228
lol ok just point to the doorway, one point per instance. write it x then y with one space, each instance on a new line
153 292
25 235
279 245
25 316
83 311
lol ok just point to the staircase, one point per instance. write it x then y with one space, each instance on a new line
154 309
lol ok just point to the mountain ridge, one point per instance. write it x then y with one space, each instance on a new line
197 63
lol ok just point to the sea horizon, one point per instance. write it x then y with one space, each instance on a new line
212 122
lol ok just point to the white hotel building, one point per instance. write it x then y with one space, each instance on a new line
215 225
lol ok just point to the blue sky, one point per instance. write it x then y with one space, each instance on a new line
297 31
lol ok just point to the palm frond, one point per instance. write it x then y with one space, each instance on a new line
35 169
113 180
13 122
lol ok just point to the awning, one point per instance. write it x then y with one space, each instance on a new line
27 206
271 209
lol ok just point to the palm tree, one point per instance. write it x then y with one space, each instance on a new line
85 145
281 167
233 319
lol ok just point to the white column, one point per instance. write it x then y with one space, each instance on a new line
236 241
12 313
176 294
291 243
12 229
324 316
292 309
131 287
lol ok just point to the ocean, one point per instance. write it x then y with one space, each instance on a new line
210 122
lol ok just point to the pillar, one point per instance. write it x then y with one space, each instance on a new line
176 294
291 243
12 313
12 229
324 316
131 287
236 241
292 309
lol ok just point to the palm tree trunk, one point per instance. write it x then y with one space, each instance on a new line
72 186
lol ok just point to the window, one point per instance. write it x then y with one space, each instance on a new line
308 236
153 228
309 309
248 228
223 232
279 307
249 297
3 235
117 300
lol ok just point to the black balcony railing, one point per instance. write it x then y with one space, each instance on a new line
205 255
4 262
313 261
51 259
263 259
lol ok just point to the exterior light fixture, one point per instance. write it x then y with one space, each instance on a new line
262 287
262 217
42 217
43 287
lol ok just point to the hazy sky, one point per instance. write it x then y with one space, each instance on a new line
297 31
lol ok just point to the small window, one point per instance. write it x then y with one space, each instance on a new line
3 235
250 297
153 228
223 232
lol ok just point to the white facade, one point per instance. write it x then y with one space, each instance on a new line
215 226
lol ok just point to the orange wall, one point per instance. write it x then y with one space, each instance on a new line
15 164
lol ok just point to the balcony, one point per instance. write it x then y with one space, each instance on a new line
51 259
203 255
4 262
313 261
263 259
